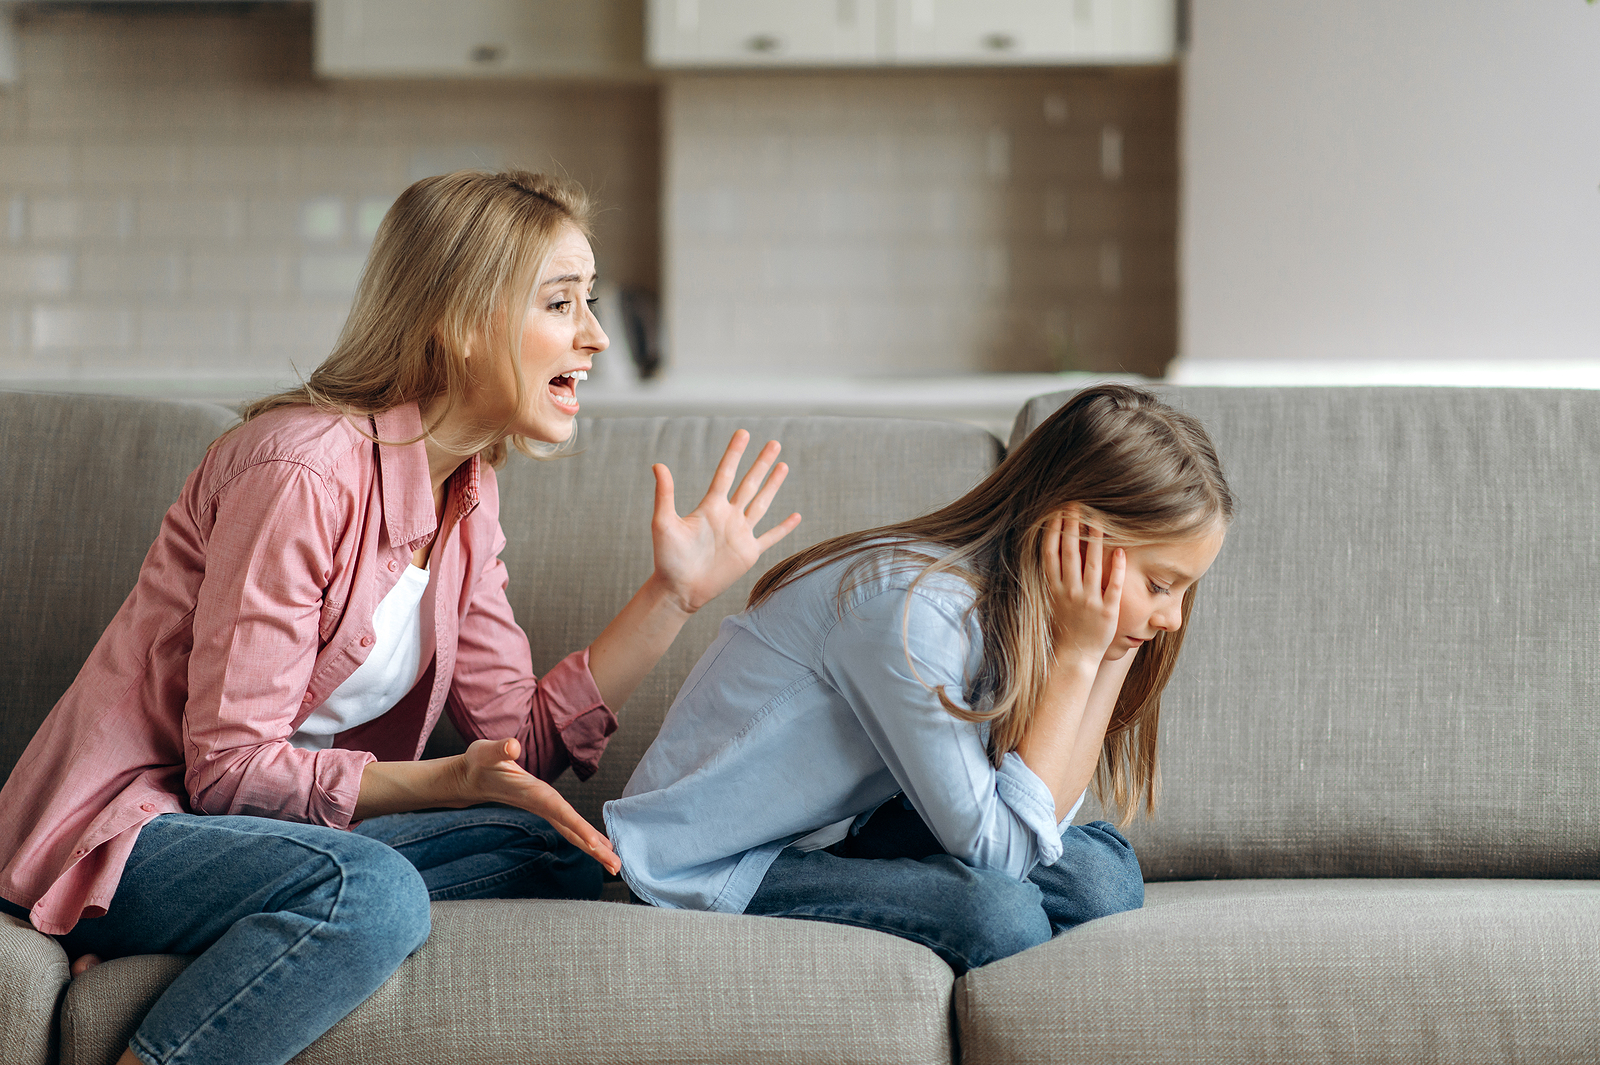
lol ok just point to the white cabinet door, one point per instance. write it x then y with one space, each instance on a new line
1036 32
479 38
755 33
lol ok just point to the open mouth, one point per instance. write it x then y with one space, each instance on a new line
564 388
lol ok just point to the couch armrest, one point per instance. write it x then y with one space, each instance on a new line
33 974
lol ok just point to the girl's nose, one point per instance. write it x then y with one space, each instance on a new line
1169 618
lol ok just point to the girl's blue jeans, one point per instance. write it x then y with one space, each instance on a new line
894 877
296 924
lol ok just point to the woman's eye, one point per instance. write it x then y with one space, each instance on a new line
560 305
592 301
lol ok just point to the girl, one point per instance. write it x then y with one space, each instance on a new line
326 585
897 731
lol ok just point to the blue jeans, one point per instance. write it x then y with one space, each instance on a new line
296 924
896 878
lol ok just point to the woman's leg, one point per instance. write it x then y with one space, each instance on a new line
1097 876
967 916
294 926
488 852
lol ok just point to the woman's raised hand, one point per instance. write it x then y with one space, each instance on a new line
700 554
489 773
1086 584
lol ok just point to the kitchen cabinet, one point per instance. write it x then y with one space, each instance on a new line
746 33
480 39
917 33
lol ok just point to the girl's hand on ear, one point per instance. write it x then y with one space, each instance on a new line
489 773
700 554
1087 600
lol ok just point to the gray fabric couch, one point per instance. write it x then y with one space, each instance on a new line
1379 837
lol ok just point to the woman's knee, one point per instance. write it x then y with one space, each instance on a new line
382 897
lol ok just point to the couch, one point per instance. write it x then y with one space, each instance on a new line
1379 837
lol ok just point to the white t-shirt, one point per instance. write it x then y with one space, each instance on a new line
393 667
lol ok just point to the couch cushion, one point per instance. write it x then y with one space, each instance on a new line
578 530
86 480
595 982
1393 668
33 972
1306 971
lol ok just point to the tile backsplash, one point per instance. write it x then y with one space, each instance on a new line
182 199
892 222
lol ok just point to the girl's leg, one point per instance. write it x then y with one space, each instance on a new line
966 916
294 926
488 852
1097 876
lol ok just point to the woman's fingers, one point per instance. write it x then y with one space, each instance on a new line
722 480
778 532
756 508
751 482
666 504
578 832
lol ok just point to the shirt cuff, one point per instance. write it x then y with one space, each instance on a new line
1022 790
336 786
577 712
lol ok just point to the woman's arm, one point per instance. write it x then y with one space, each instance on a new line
697 557
1063 742
487 772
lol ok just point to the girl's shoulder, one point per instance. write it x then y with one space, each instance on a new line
898 569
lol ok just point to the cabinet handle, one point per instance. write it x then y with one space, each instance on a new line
999 42
763 42
487 53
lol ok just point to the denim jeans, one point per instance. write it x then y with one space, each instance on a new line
296 924
892 876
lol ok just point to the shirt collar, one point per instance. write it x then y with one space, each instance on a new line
403 475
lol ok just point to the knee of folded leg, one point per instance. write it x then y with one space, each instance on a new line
1118 880
1003 917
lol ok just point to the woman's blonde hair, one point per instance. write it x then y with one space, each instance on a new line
454 255
1140 470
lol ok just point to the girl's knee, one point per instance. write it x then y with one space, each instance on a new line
1105 873
999 917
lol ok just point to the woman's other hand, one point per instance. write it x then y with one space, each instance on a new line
700 554
1086 584
488 772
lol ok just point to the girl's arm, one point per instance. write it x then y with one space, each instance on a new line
1063 742
697 557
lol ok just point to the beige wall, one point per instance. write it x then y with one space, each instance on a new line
181 199
1374 181
916 223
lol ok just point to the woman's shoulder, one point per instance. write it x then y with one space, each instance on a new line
301 434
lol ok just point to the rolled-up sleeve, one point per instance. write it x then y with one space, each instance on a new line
887 656
560 720
273 535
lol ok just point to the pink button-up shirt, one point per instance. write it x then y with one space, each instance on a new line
254 603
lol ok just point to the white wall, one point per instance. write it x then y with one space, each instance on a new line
1391 179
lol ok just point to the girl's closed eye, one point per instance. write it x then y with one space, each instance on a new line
1157 589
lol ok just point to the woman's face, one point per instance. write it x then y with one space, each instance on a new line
560 338
1153 585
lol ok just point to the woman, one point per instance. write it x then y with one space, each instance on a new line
326 586
898 730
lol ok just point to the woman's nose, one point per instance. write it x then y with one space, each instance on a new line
590 336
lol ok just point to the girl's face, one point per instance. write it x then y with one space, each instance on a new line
560 338
1157 576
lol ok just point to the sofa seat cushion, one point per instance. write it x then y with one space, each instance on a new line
33 971
1306 971
562 982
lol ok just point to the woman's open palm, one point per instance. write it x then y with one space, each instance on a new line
701 553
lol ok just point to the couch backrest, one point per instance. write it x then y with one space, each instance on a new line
85 481
1393 669
578 530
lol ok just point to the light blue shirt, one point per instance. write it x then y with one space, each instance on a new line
806 714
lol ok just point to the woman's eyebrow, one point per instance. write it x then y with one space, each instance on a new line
567 277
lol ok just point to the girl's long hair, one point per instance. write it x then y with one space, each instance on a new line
456 259
1140 470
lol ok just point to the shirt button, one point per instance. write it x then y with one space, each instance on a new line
392 566
366 641
148 807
